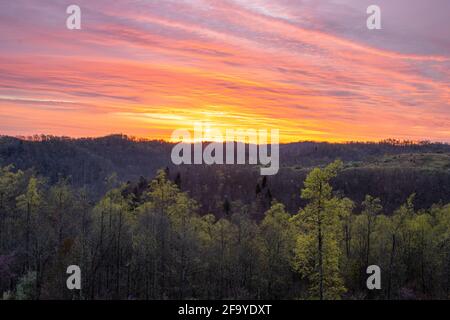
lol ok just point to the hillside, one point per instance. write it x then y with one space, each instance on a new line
390 170
139 236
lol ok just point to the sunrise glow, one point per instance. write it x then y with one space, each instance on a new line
312 71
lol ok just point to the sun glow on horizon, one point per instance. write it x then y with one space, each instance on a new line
151 69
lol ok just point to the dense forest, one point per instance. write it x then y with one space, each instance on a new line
223 232
390 170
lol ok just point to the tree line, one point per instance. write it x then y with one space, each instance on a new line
390 170
152 242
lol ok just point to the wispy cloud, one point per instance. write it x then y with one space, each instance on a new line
148 67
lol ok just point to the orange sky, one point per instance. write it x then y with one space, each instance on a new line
146 68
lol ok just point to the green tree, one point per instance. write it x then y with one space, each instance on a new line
371 209
317 251
10 188
29 203
278 240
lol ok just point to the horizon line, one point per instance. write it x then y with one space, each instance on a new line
46 137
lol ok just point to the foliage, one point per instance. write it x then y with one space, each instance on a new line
153 240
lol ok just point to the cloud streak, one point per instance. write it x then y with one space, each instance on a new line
146 68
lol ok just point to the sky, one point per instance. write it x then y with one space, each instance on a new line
310 68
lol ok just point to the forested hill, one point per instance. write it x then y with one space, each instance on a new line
390 170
